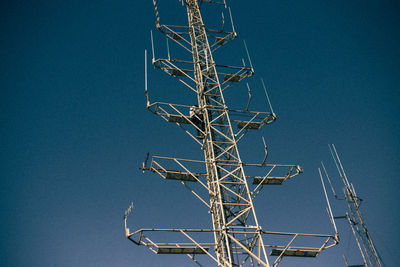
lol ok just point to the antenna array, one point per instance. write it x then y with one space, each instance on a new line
219 180
354 217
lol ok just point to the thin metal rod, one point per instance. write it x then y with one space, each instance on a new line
249 91
327 202
145 70
205 55
335 161
169 56
345 260
266 94
204 250
260 262
354 191
233 27
223 21
152 46
356 238
341 166
329 180
145 80
266 151
248 55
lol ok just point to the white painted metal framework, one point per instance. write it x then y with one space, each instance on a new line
368 251
218 181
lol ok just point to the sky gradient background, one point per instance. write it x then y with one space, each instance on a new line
74 127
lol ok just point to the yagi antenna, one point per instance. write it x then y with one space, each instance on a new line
249 91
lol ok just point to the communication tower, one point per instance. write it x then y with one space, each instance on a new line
369 253
219 180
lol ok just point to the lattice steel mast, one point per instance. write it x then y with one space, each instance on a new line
232 209
238 236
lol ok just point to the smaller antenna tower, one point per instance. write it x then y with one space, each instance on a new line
368 251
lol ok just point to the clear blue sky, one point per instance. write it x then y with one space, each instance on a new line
74 128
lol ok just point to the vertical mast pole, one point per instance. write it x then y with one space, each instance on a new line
237 231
